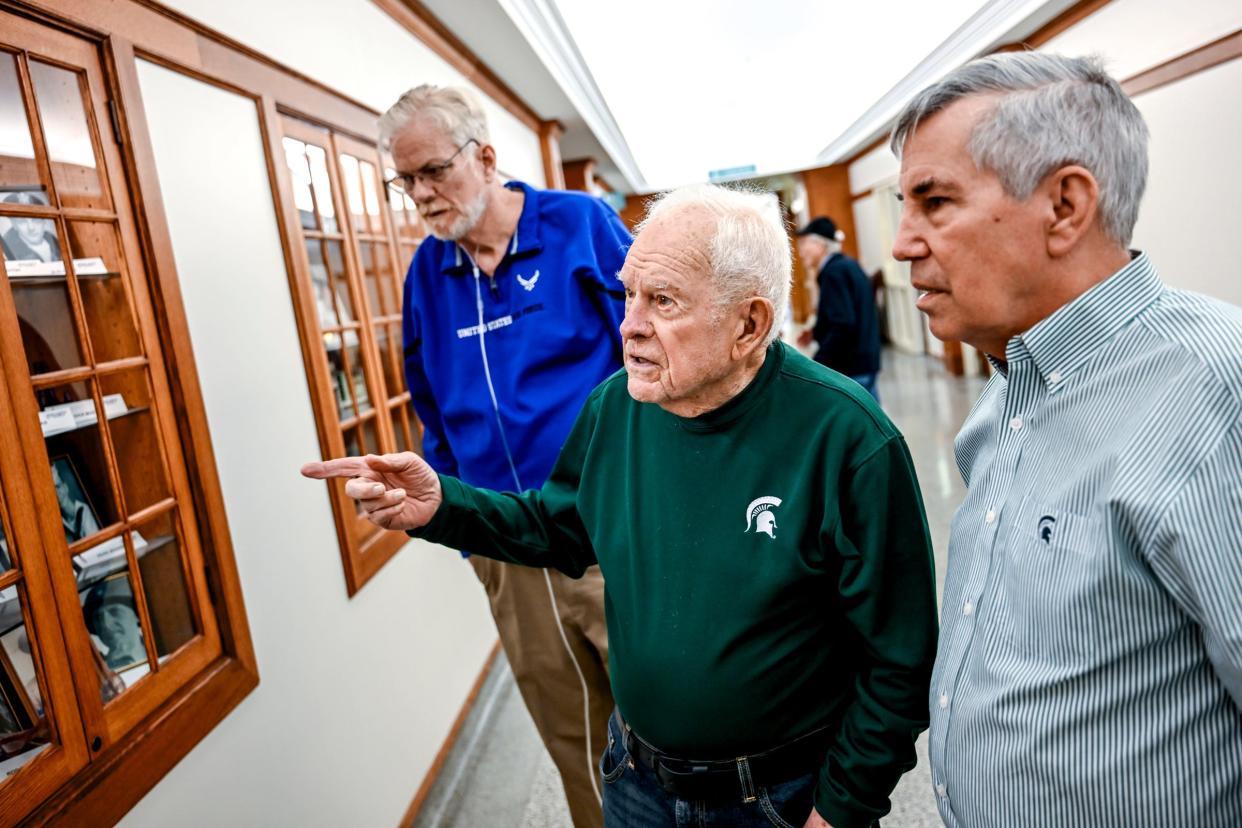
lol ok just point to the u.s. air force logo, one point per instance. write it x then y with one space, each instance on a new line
760 513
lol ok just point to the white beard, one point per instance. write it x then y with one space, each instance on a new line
466 222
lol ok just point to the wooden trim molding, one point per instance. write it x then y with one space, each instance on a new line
437 765
828 194
1205 57
550 133
1064 21
579 174
424 25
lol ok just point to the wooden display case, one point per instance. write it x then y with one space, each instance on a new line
114 641
353 239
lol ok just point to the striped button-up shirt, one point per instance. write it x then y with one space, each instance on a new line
1090 663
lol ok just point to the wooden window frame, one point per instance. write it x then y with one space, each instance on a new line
364 547
116 756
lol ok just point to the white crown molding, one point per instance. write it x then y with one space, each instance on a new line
540 22
987 28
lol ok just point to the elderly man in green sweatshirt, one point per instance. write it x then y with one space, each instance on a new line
768 575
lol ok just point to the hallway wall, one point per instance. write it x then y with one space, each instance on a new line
356 49
355 696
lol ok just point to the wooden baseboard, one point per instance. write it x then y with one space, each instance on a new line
433 773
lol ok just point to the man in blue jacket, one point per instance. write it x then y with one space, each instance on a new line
511 316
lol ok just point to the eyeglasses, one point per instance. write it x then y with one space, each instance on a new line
430 174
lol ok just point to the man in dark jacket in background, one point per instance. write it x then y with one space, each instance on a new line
846 326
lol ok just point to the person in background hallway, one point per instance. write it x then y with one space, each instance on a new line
846 327
511 314
771 599
1090 667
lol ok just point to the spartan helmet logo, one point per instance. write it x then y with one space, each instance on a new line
1047 524
760 513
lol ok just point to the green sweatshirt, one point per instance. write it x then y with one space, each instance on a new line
767 570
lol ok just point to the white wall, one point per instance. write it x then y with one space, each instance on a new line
1193 204
1190 218
355 696
1135 35
876 167
355 48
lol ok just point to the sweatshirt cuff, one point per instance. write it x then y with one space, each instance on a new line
452 493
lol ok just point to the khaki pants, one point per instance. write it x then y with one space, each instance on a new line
550 684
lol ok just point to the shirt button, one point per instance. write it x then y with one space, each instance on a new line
968 608
1015 423
941 790
944 701
990 517
1054 377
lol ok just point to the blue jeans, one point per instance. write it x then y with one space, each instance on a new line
868 381
634 799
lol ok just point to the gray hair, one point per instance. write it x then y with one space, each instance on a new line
1053 111
749 250
456 110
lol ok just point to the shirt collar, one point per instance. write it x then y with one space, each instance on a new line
1073 333
526 237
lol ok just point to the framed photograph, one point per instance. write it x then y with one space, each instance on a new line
360 388
23 194
76 512
9 722
343 402
112 620
17 664
10 609
16 714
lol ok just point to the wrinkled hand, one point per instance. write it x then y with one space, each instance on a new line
816 821
396 491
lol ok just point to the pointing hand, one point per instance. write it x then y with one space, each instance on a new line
396 491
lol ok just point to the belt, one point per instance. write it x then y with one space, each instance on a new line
740 777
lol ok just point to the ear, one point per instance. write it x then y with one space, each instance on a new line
755 319
1074 197
487 157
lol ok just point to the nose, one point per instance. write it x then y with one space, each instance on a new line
422 191
909 244
635 323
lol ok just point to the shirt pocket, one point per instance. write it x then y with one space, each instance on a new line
1052 579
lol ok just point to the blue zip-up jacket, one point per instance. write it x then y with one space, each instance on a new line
551 319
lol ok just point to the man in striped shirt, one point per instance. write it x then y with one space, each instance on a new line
1090 661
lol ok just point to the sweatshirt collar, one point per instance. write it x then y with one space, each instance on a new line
745 401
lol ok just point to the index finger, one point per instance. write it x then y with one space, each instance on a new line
340 467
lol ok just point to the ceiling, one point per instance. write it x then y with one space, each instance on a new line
662 94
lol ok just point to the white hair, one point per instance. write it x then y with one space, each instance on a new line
1053 111
455 110
749 250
